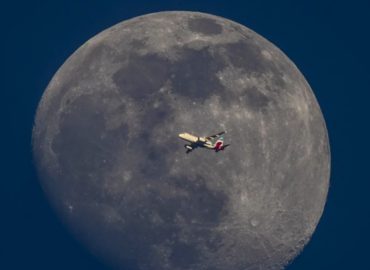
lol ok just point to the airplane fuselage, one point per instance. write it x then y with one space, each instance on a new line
200 141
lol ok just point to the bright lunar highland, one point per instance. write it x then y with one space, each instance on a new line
106 147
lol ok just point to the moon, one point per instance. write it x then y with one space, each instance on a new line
108 157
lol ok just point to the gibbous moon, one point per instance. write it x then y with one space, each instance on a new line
106 148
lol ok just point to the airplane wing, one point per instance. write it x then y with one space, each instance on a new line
190 147
215 136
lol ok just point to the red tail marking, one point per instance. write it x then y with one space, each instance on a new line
218 145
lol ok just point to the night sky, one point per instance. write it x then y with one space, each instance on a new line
329 42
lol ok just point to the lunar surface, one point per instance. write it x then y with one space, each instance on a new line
108 156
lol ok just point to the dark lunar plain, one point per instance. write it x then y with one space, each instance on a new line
106 148
325 40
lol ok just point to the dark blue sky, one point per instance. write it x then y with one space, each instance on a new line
329 41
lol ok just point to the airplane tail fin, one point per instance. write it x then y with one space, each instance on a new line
221 147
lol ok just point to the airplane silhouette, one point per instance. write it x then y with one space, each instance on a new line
214 142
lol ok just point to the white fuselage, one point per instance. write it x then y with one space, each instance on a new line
194 139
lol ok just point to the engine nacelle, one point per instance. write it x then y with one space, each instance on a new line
188 147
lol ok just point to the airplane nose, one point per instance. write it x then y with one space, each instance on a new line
181 135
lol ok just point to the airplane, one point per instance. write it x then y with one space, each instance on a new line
215 142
